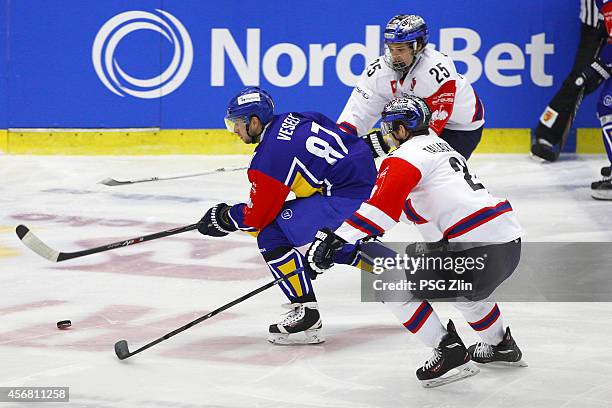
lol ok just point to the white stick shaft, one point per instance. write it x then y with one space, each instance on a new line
113 182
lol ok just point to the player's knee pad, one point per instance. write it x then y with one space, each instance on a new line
284 260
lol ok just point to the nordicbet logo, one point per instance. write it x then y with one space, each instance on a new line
116 79
504 64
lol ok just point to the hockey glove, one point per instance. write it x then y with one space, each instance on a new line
376 143
417 249
216 222
593 75
320 255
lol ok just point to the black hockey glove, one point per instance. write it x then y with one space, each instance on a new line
216 222
593 75
320 255
425 248
376 143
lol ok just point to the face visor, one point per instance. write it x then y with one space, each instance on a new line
386 124
232 122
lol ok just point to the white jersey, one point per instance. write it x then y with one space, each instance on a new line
426 181
433 77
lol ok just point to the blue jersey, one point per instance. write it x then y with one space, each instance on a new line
305 153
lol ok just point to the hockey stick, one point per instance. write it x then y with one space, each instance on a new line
121 347
114 182
35 244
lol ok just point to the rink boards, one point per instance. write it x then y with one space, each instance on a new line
154 141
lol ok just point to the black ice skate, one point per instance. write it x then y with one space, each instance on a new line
302 318
602 189
450 354
505 353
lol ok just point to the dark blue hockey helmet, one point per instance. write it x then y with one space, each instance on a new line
410 111
251 101
405 28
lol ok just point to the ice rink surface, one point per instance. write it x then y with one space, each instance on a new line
141 292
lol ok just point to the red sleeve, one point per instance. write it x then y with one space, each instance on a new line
396 179
606 10
441 105
267 197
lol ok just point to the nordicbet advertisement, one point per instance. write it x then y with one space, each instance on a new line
175 64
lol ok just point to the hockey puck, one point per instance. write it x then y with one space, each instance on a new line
64 324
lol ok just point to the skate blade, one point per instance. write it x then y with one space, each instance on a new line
520 363
601 195
464 371
296 339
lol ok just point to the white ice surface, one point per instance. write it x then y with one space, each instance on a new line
144 291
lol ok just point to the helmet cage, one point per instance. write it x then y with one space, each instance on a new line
412 112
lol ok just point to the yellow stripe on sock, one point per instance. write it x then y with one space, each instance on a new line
286 269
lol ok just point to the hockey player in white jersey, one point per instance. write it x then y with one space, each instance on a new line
409 67
426 181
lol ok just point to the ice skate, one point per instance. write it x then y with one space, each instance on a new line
602 189
505 353
450 358
300 325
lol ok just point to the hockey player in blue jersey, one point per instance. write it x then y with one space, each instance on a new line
599 71
330 172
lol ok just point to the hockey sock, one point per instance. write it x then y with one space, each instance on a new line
420 319
284 260
606 132
485 318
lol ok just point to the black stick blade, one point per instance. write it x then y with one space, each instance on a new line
22 230
121 349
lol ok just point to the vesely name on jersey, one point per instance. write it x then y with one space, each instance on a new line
287 127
